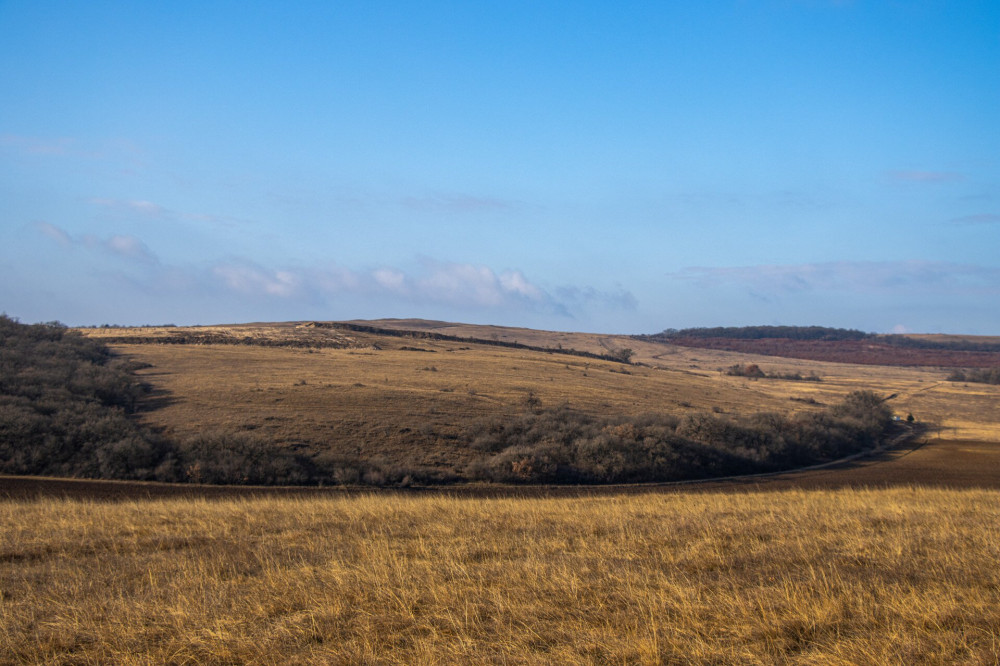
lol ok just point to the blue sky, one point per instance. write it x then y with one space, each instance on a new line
611 167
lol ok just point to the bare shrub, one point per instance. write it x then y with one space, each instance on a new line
561 445
239 458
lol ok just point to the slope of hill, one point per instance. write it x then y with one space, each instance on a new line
523 441
407 401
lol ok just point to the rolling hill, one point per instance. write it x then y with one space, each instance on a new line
403 392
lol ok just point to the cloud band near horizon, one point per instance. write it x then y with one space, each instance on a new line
458 284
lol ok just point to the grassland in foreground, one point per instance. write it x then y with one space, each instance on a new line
905 575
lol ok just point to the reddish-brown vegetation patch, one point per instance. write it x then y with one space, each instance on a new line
864 352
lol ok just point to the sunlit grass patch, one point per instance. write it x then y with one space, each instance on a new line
872 576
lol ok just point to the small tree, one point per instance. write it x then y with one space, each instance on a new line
623 355
751 370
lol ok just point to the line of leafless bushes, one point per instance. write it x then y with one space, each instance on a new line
561 445
754 371
976 375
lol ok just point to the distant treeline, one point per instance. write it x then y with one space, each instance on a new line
65 402
978 376
817 333
762 332
754 371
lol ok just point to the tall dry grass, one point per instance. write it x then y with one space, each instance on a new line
886 576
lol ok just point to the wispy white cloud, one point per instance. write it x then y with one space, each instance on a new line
462 285
985 218
858 276
454 284
125 246
248 278
129 247
459 283
390 279
54 232
514 282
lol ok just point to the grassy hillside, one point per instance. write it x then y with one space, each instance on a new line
407 399
876 577
522 440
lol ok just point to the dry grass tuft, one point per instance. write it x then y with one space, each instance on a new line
906 575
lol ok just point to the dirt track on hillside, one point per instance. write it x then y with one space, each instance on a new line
927 462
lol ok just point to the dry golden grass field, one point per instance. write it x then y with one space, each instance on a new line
892 576
884 560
